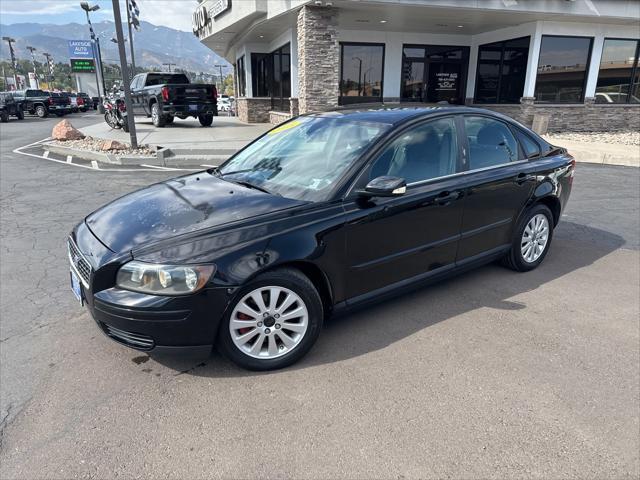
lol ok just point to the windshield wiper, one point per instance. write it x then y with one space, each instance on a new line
244 183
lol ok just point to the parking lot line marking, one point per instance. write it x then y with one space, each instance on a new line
159 167
94 165
208 166
69 158
19 151
46 154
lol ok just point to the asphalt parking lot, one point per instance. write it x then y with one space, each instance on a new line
493 374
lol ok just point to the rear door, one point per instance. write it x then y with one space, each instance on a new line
398 239
497 185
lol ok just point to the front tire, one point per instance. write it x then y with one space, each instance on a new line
20 115
205 120
156 116
4 117
531 239
272 322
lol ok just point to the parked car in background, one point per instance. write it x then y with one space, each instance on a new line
41 103
96 102
224 104
10 107
88 101
77 102
323 213
164 96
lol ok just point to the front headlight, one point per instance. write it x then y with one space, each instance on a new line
163 279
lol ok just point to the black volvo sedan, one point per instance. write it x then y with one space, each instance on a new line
323 213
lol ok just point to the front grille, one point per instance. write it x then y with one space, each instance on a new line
79 263
135 340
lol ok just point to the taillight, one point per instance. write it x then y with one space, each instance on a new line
80 101
122 107
165 94
50 101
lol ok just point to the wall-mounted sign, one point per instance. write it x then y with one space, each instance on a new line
80 49
446 81
79 65
220 6
200 19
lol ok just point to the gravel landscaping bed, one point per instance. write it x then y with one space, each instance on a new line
619 138
102 146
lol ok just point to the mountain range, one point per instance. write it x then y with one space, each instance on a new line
154 45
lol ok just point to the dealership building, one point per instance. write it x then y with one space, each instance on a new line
573 62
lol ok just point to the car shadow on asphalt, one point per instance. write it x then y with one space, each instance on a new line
376 327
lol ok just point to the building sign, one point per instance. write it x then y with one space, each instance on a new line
200 19
219 7
79 65
446 81
80 49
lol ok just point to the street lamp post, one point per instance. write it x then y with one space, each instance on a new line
47 71
10 41
33 58
97 54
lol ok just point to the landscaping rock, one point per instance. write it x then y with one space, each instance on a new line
64 131
113 145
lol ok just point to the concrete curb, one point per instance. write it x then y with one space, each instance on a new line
603 154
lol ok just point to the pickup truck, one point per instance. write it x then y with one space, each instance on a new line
10 107
164 96
42 103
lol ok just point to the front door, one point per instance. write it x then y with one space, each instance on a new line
391 240
434 73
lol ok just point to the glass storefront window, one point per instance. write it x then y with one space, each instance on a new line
502 67
562 69
434 73
271 76
260 74
241 77
618 75
361 72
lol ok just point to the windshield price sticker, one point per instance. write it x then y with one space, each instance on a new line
285 127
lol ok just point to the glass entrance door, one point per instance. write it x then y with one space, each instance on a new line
434 73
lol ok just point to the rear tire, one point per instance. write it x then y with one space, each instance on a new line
4 117
267 343
20 115
205 120
41 111
531 239
156 116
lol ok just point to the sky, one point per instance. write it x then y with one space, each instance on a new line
169 13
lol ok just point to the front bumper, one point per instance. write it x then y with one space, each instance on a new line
152 323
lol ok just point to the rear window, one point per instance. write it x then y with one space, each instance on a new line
162 78
35 93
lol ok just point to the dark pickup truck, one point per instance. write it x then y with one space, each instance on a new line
43 103
164 96
10 107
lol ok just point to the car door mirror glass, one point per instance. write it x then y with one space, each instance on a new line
385 186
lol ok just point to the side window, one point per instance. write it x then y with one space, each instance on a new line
490 143
530 147
427 151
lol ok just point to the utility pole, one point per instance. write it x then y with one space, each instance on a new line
169 65
14 63
221 81
125 77
35 72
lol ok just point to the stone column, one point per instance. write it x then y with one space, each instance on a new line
318 59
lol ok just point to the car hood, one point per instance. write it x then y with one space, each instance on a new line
178 206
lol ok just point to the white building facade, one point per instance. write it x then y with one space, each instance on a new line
575 61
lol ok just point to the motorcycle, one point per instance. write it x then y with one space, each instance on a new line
115 114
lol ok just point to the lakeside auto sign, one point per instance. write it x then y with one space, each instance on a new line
80 49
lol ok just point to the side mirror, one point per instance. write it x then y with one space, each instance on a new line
384 187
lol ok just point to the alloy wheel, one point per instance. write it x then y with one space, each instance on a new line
268 322
535 238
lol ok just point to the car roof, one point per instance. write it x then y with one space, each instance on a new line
395 115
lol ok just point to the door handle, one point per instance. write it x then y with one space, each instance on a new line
446 198
524 177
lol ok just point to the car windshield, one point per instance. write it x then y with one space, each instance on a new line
303 158
160 79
